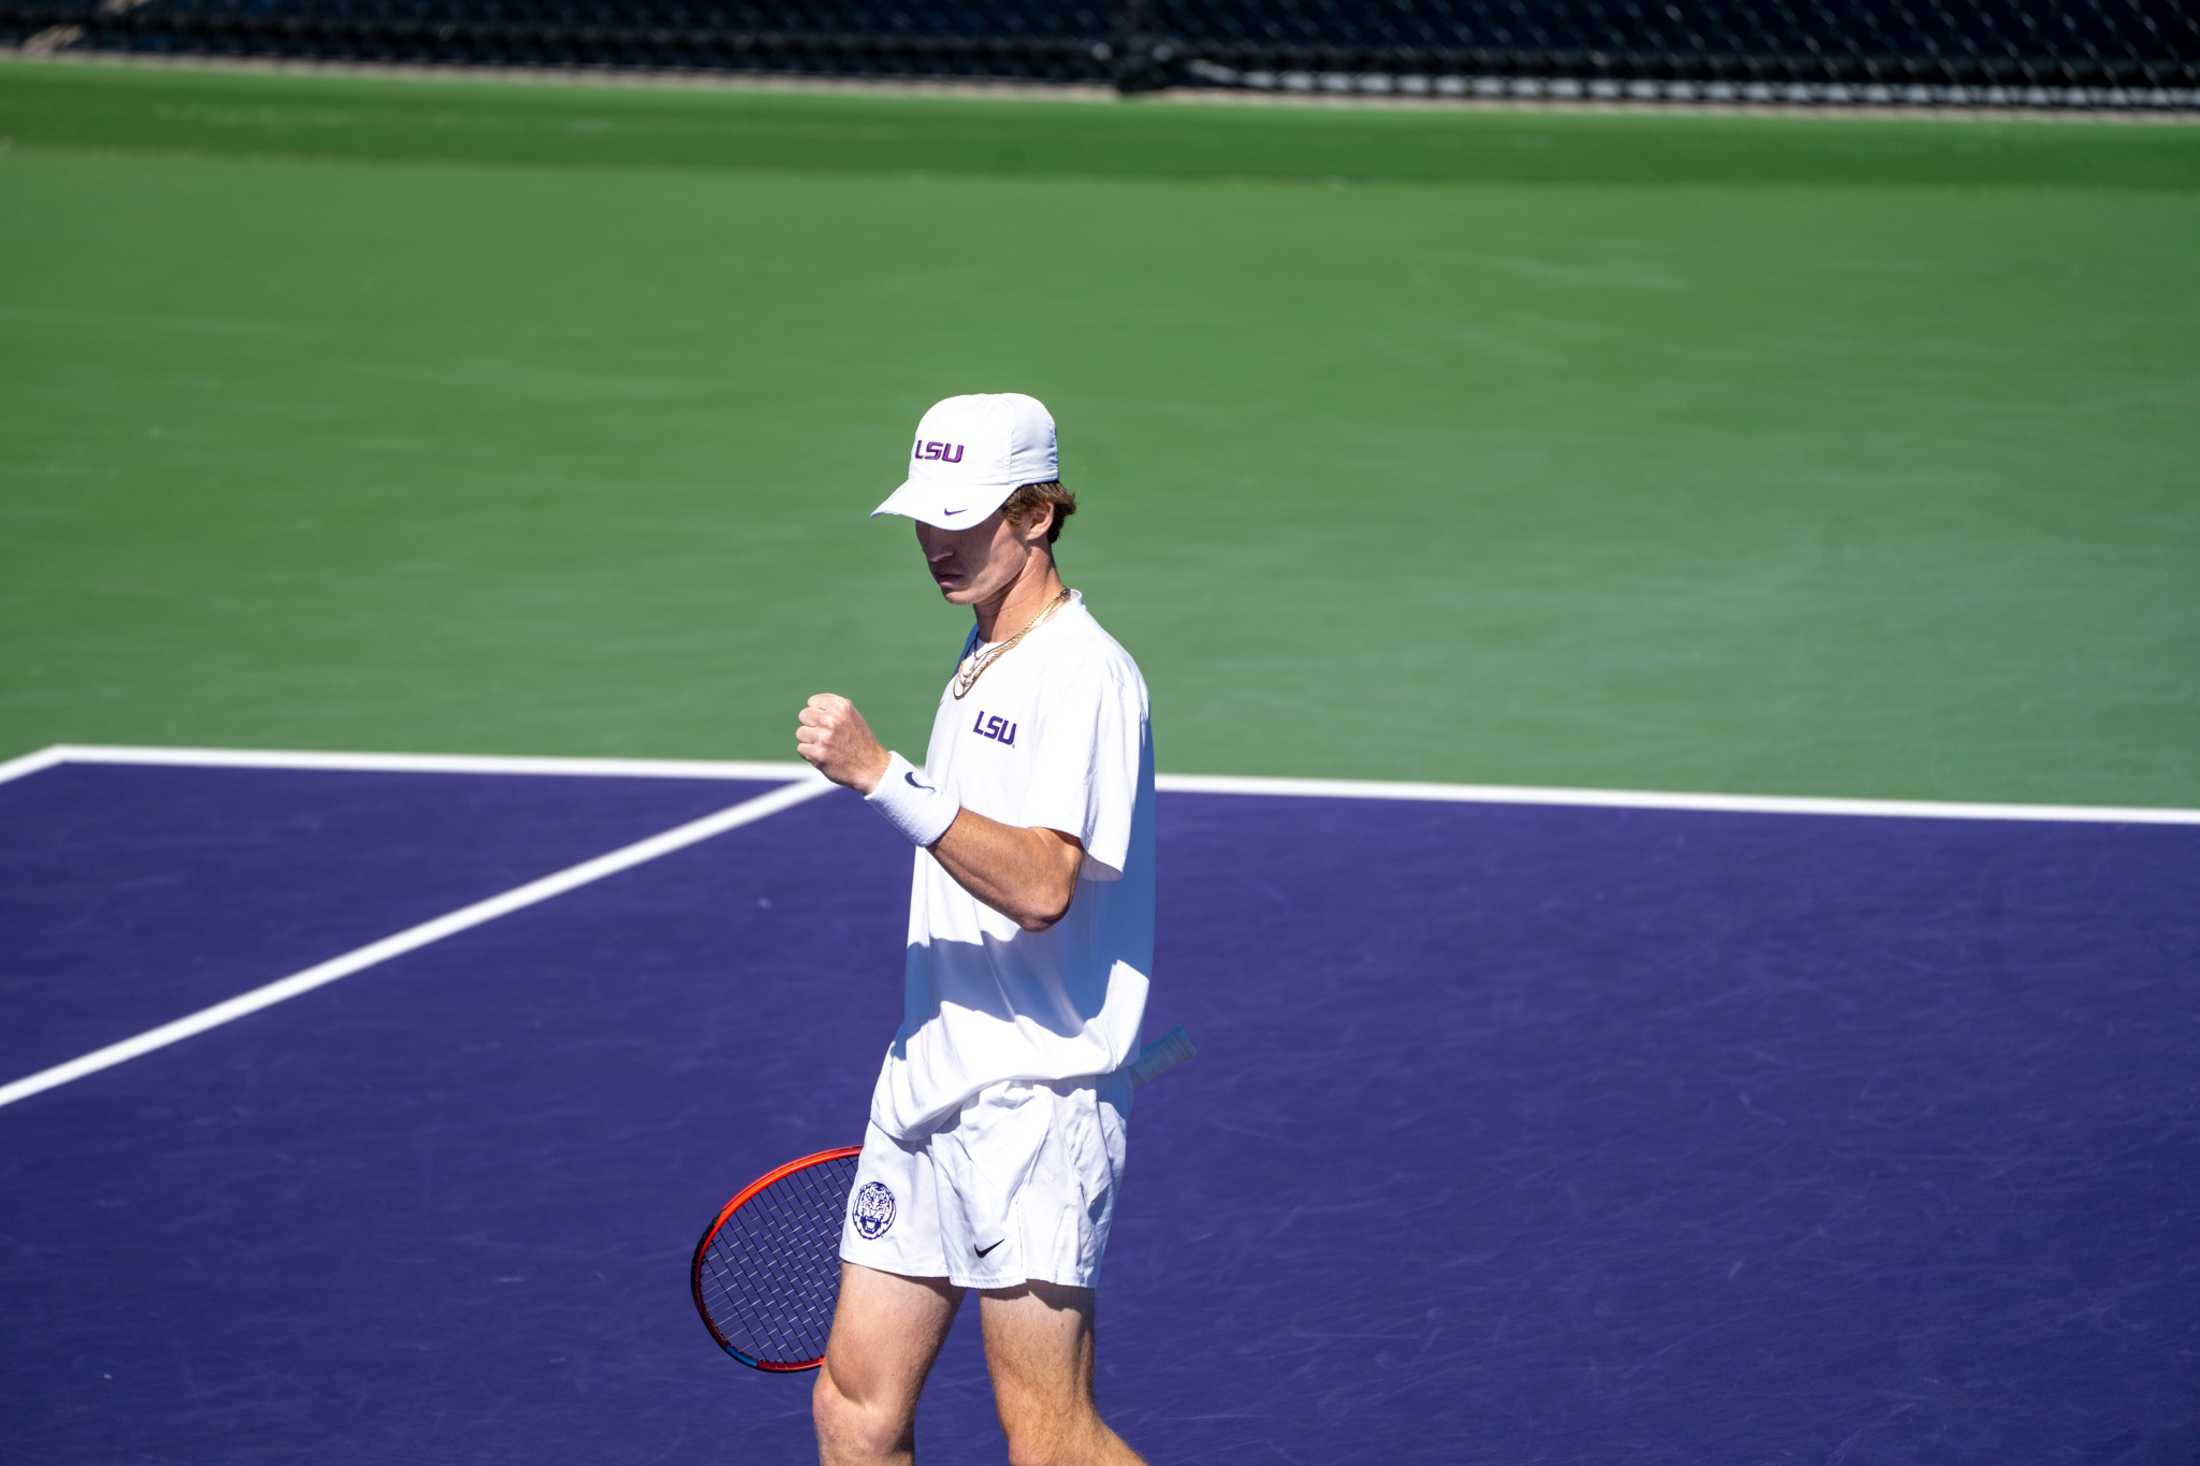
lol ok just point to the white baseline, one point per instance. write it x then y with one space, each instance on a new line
438 763
748 811
29 763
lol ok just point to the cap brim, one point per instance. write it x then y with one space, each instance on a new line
944 506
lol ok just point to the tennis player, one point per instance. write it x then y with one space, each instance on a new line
995 1147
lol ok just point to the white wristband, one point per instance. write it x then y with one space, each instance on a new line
921 812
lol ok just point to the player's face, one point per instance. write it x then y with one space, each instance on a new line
975 565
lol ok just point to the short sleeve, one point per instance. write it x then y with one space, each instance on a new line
1084 774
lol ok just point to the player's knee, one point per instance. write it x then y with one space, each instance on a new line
850 1429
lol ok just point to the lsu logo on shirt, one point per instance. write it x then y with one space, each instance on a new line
997 729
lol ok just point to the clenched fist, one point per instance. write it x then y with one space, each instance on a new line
832 735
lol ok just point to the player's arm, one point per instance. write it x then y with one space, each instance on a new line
1028 875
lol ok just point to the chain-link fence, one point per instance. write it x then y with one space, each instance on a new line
2023 53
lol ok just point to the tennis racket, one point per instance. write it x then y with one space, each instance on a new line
767 1272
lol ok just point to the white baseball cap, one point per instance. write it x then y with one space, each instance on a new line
971 453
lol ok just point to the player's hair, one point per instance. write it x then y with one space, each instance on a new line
1026 502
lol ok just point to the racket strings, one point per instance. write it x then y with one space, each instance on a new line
771 1274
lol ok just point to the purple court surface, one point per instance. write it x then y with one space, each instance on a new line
1520 1133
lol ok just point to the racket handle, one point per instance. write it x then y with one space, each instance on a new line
1162 1055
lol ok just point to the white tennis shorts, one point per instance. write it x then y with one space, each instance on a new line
1019 1185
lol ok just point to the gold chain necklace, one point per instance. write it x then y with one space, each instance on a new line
974 665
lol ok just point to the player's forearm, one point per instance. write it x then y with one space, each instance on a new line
1029 876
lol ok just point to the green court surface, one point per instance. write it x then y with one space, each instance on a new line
1847 456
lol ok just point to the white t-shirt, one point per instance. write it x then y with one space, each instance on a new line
1053 735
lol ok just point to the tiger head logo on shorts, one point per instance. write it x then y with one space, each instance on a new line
874 1210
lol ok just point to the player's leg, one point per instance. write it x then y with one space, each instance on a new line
1038 1346
887 1330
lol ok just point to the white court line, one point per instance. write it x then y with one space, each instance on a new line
1645 799
31 763
1178 783
428 763
733 817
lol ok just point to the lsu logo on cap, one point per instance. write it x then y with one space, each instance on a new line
969 453
873 1210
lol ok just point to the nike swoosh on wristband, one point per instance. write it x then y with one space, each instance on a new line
912 778
982 1251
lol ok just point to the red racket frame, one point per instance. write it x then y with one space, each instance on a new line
741 1198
